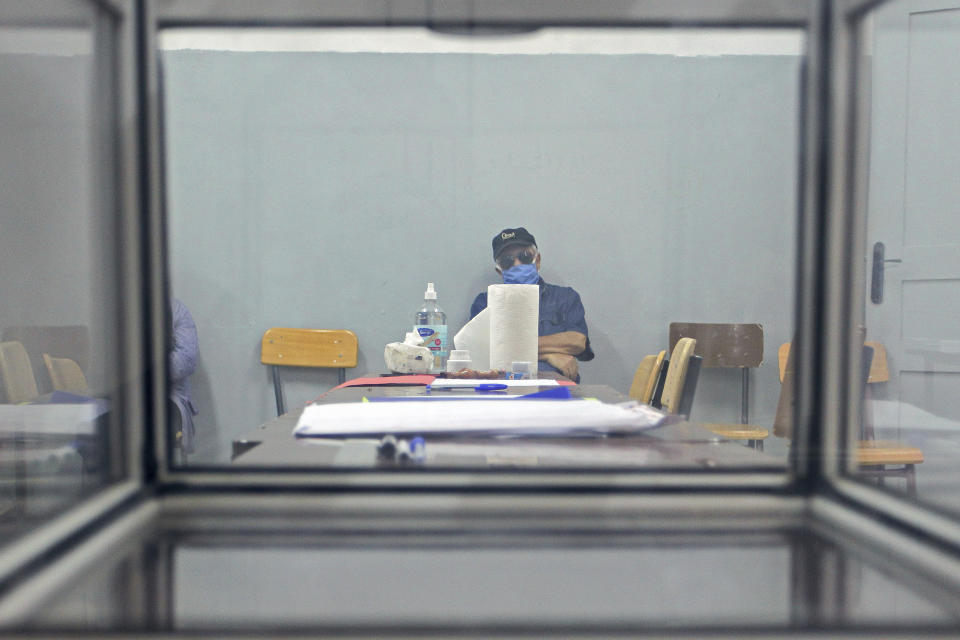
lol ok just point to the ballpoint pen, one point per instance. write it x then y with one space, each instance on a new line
489 387
477 387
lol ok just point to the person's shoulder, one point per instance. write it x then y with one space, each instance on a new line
560 289
479 304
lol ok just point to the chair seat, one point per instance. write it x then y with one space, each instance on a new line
878 452
737 431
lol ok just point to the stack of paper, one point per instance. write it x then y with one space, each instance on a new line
476 417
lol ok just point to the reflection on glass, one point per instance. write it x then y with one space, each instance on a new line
776 579
320 178
58 317
910 436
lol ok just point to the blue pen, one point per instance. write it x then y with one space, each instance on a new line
489 387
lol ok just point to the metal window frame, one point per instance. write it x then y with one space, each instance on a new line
846 214
127 431
816 482
494 14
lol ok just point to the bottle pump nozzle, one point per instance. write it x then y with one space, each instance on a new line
430 293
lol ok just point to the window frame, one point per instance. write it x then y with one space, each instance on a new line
799 14
815 484
127 429
846 215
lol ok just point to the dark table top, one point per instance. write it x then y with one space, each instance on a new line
684 445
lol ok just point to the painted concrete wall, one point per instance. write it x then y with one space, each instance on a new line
56 242
324 190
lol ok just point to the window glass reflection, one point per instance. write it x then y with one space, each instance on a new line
58 319
321 178
910 435
773 579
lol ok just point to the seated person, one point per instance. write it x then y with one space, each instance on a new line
563 325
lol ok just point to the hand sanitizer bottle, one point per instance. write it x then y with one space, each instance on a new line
431 323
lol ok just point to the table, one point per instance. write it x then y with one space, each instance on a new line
684 445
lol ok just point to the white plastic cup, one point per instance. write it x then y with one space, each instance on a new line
459 359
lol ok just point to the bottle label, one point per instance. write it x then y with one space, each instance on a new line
435 337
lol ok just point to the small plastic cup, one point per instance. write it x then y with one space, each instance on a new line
459 359
520 370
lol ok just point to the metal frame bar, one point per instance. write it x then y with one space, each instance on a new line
45 582
483 13
922 536
843 364
127 429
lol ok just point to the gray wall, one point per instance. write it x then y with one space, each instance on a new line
324 190
56 242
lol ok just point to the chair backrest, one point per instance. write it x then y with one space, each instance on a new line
783 421
677 374
65 374
645 378
879 372
640 377
66 341
330 348
694 364
19 385
722 344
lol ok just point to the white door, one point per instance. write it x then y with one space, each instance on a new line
914 210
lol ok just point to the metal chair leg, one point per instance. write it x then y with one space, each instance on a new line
278 390
745 395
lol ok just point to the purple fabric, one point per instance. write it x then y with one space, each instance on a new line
184 353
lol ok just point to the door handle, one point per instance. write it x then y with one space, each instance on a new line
876 272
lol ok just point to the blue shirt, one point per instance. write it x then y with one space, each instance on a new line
560 310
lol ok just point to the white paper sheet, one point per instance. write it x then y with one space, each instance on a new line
528 417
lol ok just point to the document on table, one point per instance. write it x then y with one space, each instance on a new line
476 417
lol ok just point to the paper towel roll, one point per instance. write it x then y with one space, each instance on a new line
475 338
514 319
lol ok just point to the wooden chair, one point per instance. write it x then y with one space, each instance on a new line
65 374
67 341
16 373
738 346
874 457
676 396
324 348
646 377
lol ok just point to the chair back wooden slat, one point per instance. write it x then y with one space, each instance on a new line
65 374
16 373
331 348
677 374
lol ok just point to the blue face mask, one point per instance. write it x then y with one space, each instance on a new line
521 274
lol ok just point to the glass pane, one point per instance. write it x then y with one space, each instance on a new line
321 178
58 320
361 579
911 426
